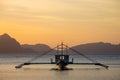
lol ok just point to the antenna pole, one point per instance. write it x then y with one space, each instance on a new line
62 48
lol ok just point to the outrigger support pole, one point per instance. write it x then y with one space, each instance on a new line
94 62
21 65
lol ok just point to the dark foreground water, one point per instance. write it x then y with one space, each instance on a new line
44 72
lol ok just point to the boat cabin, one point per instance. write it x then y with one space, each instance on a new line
64 58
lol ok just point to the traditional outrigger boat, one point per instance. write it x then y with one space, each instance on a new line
62 59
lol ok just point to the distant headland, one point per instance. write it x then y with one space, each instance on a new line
11 45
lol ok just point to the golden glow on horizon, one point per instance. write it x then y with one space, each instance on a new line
53 21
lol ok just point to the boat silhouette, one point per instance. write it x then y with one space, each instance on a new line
62 59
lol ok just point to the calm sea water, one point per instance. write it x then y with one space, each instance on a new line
44 72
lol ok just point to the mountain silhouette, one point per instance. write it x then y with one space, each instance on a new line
37 47
10 45
98 48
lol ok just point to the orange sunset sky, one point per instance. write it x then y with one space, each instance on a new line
53 21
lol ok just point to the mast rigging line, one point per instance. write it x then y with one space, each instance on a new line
81 54
20 65
94 61
42 54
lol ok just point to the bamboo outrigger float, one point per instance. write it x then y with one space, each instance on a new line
62 59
